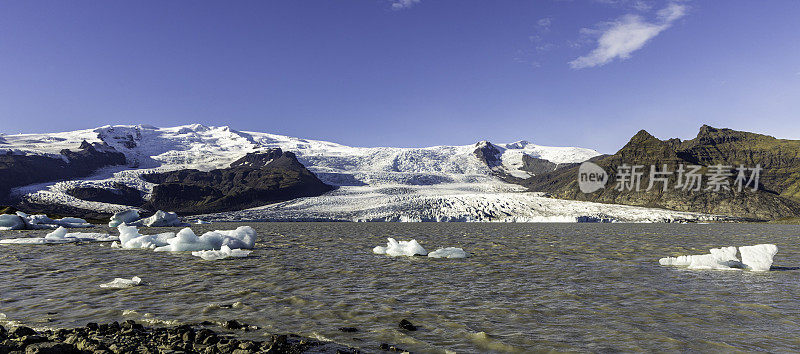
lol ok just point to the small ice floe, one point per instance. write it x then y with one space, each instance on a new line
121 283
201 222
124 217
158 219
162 219
61 235
754 258
402 248
11 222
23 221
129 237
448 252
224 252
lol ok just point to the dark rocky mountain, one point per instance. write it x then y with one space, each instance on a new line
119 194
776 197
254 180
21 170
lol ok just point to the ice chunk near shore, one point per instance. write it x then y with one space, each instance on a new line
448 252
201 222
121 283
224 252
402 248
11 222
758 258
162 219
124 217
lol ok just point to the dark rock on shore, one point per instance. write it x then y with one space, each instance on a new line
132 337
254 180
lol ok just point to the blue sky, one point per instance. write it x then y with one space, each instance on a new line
587 73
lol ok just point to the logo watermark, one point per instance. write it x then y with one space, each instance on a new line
591 177
717 178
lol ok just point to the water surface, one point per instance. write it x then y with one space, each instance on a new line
526 287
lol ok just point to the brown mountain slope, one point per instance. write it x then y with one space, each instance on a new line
776 197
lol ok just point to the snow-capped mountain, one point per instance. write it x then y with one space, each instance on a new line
376 183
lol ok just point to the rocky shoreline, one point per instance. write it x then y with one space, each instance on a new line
132 337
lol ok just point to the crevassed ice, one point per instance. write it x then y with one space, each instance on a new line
403 248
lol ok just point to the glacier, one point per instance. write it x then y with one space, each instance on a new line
439 183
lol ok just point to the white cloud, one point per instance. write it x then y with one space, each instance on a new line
626 35
403 4
544 24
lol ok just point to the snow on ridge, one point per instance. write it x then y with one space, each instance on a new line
374 180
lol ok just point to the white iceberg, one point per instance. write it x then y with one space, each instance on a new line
186 240
124 217
61 235
11 222
129 237
22 221
759 257
224 252
448 252
402 248
201 222
121 283
243 237
162 219
755 258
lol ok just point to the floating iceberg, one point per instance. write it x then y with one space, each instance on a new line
124 217
162 219
223 253
22 221
201 222
759 257
120 283
11 222
186 240
243 237
402 248
755 258
129 237
448 252
61 235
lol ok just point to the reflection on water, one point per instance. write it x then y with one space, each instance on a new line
525 287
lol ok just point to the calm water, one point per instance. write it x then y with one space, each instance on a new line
526 287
